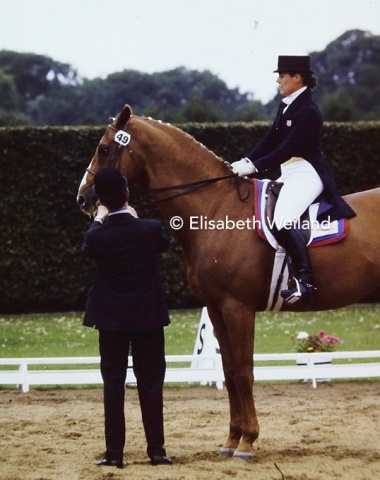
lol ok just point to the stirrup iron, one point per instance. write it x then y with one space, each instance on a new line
294 296
301 289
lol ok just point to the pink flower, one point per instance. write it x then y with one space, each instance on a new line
330 339
315 343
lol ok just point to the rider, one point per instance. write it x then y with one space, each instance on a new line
293 142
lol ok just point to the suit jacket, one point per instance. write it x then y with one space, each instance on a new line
297 133
127 293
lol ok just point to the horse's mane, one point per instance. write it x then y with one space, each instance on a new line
165 127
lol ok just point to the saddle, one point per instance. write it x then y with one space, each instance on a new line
314 233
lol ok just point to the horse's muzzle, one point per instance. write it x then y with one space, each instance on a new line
87 201
81 202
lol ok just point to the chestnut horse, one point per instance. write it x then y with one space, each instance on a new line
229 270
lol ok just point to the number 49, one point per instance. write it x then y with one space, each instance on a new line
122 138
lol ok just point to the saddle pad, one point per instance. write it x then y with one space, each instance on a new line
323 233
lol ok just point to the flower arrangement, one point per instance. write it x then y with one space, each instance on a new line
315 343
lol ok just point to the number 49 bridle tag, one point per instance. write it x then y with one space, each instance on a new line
122 138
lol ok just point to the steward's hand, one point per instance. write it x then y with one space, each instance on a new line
101 214
132 211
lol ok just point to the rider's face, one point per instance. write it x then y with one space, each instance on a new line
289 83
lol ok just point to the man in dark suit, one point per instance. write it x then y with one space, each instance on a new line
127 305
293 143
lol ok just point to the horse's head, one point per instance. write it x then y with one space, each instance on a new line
148 150
114 150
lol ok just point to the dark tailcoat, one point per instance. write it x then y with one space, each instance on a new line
127 294
296 133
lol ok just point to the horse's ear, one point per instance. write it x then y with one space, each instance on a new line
123 117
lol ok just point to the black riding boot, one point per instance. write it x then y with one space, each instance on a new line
295 247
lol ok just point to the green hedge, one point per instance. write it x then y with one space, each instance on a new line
41 268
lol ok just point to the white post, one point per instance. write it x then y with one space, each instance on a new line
206 345
24 373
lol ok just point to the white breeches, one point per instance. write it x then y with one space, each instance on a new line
302 185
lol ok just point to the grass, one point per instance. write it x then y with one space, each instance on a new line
62 334
358 328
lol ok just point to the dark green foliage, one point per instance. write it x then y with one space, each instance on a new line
37 90
347 70
42 226
41 268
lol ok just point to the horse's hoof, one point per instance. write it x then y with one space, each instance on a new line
243 455
226 452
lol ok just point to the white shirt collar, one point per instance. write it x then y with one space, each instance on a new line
122 210
290 98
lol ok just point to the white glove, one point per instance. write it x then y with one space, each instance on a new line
244 167
101 214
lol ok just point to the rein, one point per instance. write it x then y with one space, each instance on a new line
189 187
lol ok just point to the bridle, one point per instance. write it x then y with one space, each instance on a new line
115 157
186 188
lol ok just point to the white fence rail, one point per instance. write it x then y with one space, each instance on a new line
25 372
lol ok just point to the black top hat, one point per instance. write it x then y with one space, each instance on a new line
293 63
109 183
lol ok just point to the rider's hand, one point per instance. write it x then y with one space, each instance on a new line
244 167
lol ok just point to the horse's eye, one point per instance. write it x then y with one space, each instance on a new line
103 150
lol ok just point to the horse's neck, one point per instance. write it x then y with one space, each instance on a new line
171 158
178 159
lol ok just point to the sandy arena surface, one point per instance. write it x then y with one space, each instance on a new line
332 432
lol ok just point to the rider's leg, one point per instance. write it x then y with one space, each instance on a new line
302 185
291 240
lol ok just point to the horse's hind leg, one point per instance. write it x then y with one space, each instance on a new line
234 329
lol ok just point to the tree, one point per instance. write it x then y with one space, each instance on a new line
10 113
348 71
177 95
36 74
36 77
9 99
37 89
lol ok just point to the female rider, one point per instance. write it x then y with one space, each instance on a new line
293 142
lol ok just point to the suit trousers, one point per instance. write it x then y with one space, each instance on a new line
149 366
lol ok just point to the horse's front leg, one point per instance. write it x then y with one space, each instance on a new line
240 324
249 425
235 427
235 333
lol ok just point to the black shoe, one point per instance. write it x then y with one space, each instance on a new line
302 290
161 460
110 463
